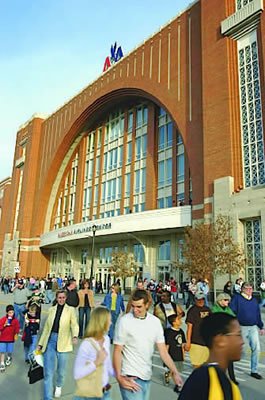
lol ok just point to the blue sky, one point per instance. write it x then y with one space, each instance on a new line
51 49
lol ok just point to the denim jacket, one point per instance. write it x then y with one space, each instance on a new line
119 303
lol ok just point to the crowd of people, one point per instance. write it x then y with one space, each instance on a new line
153 317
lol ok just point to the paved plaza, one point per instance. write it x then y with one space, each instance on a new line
14 382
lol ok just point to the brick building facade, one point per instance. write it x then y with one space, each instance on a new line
172 133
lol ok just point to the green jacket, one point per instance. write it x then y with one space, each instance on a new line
217 308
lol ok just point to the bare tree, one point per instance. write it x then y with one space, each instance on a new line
210 250
123 265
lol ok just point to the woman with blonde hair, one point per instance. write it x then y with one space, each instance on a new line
115 304
86 304
94 352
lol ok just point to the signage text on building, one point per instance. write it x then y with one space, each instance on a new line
115 55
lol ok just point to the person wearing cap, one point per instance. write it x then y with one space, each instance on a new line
247 311
195 344
21 295
222 306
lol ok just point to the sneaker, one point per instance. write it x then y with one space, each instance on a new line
58 392
2 368
8 361
166 378
255 375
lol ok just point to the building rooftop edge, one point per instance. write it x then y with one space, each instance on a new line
46 117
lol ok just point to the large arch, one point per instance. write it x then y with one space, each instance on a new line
92 112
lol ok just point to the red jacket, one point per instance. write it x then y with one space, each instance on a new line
7 333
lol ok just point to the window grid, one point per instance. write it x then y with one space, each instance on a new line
251 115
242 3
253 248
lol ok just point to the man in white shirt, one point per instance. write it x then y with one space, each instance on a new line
135 337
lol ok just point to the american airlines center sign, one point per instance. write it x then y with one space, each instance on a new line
86 229
168 218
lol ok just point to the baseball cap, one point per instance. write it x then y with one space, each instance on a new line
199 296
20 281
223 296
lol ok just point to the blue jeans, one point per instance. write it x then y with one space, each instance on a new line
106 396
84 314
6 289
114 318
50 356
143 394
19 314
29 349
250 334
49 296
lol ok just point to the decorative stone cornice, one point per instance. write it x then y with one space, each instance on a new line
243 21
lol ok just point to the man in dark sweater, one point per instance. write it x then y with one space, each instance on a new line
248 314
72 296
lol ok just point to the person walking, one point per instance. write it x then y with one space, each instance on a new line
21 295
93 352
192 289
56 342
72 296
115 304
228 288
165 308
9 328
175 342
136 335
262 294
247 311
86 304
221 334
32 325
195 344
222 306
139 285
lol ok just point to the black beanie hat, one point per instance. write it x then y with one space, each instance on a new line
9 308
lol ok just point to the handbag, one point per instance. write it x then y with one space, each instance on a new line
91 385
35 372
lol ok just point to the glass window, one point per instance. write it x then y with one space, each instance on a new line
143 180
144 144
138 148
138 252
129 152
161 137
120 155
130 122
180 167
145 115
97 166
169 171
161 173
119 187
127 185
139 118
99 138
164 250
137 181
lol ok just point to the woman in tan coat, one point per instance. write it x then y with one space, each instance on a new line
59 334
86 304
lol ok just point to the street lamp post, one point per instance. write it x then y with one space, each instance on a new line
94 228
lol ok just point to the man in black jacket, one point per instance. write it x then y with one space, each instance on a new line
72 296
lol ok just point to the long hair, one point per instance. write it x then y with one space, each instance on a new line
98 323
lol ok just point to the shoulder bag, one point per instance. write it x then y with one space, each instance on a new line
91 385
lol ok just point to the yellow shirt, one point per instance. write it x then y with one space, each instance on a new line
113 301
